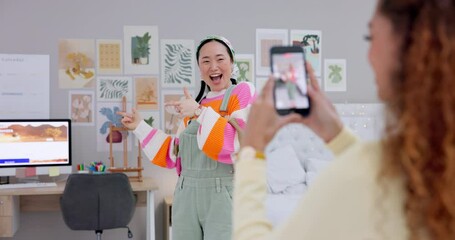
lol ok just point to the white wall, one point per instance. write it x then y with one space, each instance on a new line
34 27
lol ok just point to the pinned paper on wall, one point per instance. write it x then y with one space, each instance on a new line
245 65
76 63
335 79
177 63
54 171
30 171
140 48
265 39
147 93
20 172
109 56
311 42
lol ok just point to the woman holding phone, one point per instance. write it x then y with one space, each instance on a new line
402 187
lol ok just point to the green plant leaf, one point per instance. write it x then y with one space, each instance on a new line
149 121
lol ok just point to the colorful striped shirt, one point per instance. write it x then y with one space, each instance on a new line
216 137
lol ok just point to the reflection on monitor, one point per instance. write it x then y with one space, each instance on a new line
41 143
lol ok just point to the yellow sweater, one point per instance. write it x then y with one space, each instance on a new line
345 201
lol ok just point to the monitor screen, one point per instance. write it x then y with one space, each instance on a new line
35 142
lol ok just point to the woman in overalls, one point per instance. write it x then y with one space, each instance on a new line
204 147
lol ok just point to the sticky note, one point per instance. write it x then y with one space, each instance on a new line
54 171
30 171
20 172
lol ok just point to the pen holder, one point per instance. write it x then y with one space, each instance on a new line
97 167
81 168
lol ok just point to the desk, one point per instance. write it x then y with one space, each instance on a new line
12 201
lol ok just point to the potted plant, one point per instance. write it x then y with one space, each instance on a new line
141 49
312 41
112 119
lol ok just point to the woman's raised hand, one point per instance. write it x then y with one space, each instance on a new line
185 107
188 105
130 120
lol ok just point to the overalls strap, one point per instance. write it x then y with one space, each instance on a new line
224 103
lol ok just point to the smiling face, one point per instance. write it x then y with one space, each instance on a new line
383 54
215 65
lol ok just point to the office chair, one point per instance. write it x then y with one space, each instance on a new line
98 202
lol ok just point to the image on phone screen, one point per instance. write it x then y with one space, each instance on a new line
290 86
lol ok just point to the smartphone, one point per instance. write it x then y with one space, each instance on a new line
291 90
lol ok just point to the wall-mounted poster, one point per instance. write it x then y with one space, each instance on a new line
335 75
265 39
24 86
76 63
81 108
107 116
113 88
147 93
140 49
171 119
245 66
109 57
177 63
311 42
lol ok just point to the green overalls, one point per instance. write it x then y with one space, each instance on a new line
202 206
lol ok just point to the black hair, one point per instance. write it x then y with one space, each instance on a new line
210 40
201 93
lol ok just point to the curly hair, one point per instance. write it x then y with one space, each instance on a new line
419 141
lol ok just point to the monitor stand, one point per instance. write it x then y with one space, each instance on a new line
41 176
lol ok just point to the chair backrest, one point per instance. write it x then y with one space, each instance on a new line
97 201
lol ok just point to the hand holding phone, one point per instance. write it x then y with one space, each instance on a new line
291 90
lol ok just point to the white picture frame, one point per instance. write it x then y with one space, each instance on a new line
114 88
141 52
146 93
81 107
246 68
335 75
76 63
177 63
265 39
311 42
109 57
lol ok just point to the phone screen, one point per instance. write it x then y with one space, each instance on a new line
290 87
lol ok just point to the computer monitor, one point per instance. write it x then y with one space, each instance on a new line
40 143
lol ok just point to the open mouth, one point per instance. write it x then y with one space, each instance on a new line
216 77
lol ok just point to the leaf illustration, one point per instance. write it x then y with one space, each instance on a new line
108 113
244 67
335 73
150 121
113 89
104 127
177 62
112 118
